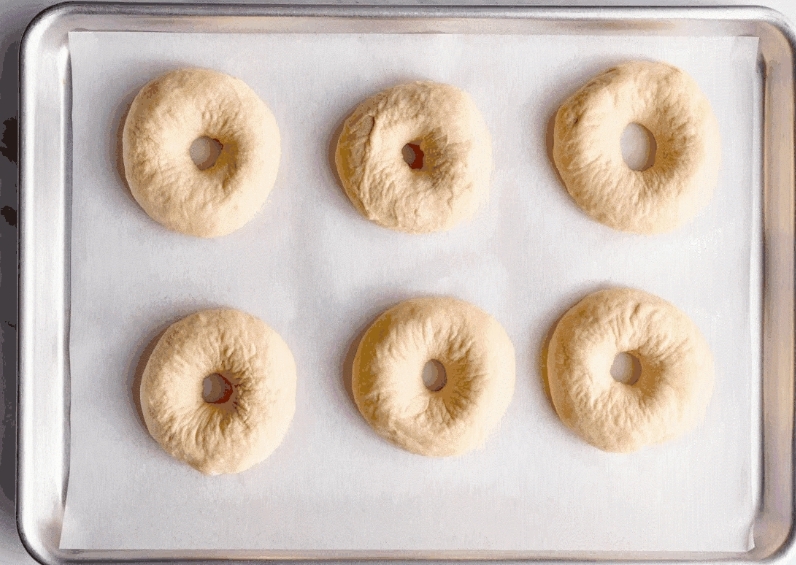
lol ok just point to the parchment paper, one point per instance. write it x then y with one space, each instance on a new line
317 272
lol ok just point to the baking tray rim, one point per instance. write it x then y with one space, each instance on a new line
49 19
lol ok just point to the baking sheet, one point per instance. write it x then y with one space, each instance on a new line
318 273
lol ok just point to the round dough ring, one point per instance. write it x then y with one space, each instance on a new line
457 157
166 117
219 438
672 393
387 382
588 155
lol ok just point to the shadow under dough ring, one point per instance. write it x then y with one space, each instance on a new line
588 155
166 117
478 358
670 396
232 436
441 121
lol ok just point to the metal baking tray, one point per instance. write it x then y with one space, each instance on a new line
45 196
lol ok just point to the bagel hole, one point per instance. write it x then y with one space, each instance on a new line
626 368
434 376
205 151
216 389
413 155
638 147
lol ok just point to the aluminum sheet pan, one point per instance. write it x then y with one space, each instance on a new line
773 524
317 272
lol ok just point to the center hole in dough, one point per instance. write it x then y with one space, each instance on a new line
626 368
434 376
216 389
205 151
413 155
638 147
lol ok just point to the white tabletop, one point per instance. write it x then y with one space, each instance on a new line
14 17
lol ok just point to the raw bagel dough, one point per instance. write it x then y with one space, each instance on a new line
478 358
587 153
166 117
457 157
672 393
219 438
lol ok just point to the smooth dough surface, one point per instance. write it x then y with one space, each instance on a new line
478 358
219 438
672 392
588 155
450 131
166 117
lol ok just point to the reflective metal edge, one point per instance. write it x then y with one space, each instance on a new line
43 394
44 192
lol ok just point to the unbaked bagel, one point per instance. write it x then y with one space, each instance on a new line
587 153
444 124
478 358
231 436
671 394
166 117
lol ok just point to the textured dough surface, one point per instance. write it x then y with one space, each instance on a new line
478 358
588 155
219 438
676 382
451 133
166 117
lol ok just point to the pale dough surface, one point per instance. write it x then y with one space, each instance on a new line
457 149
676 382
478 358
587 152
166 117
231 437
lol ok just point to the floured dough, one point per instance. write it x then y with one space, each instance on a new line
444 122
166 117
672 393
478 358
253 358
587 152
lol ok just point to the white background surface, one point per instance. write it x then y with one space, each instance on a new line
14 16
315 270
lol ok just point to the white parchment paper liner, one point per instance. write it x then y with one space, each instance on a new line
319 273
